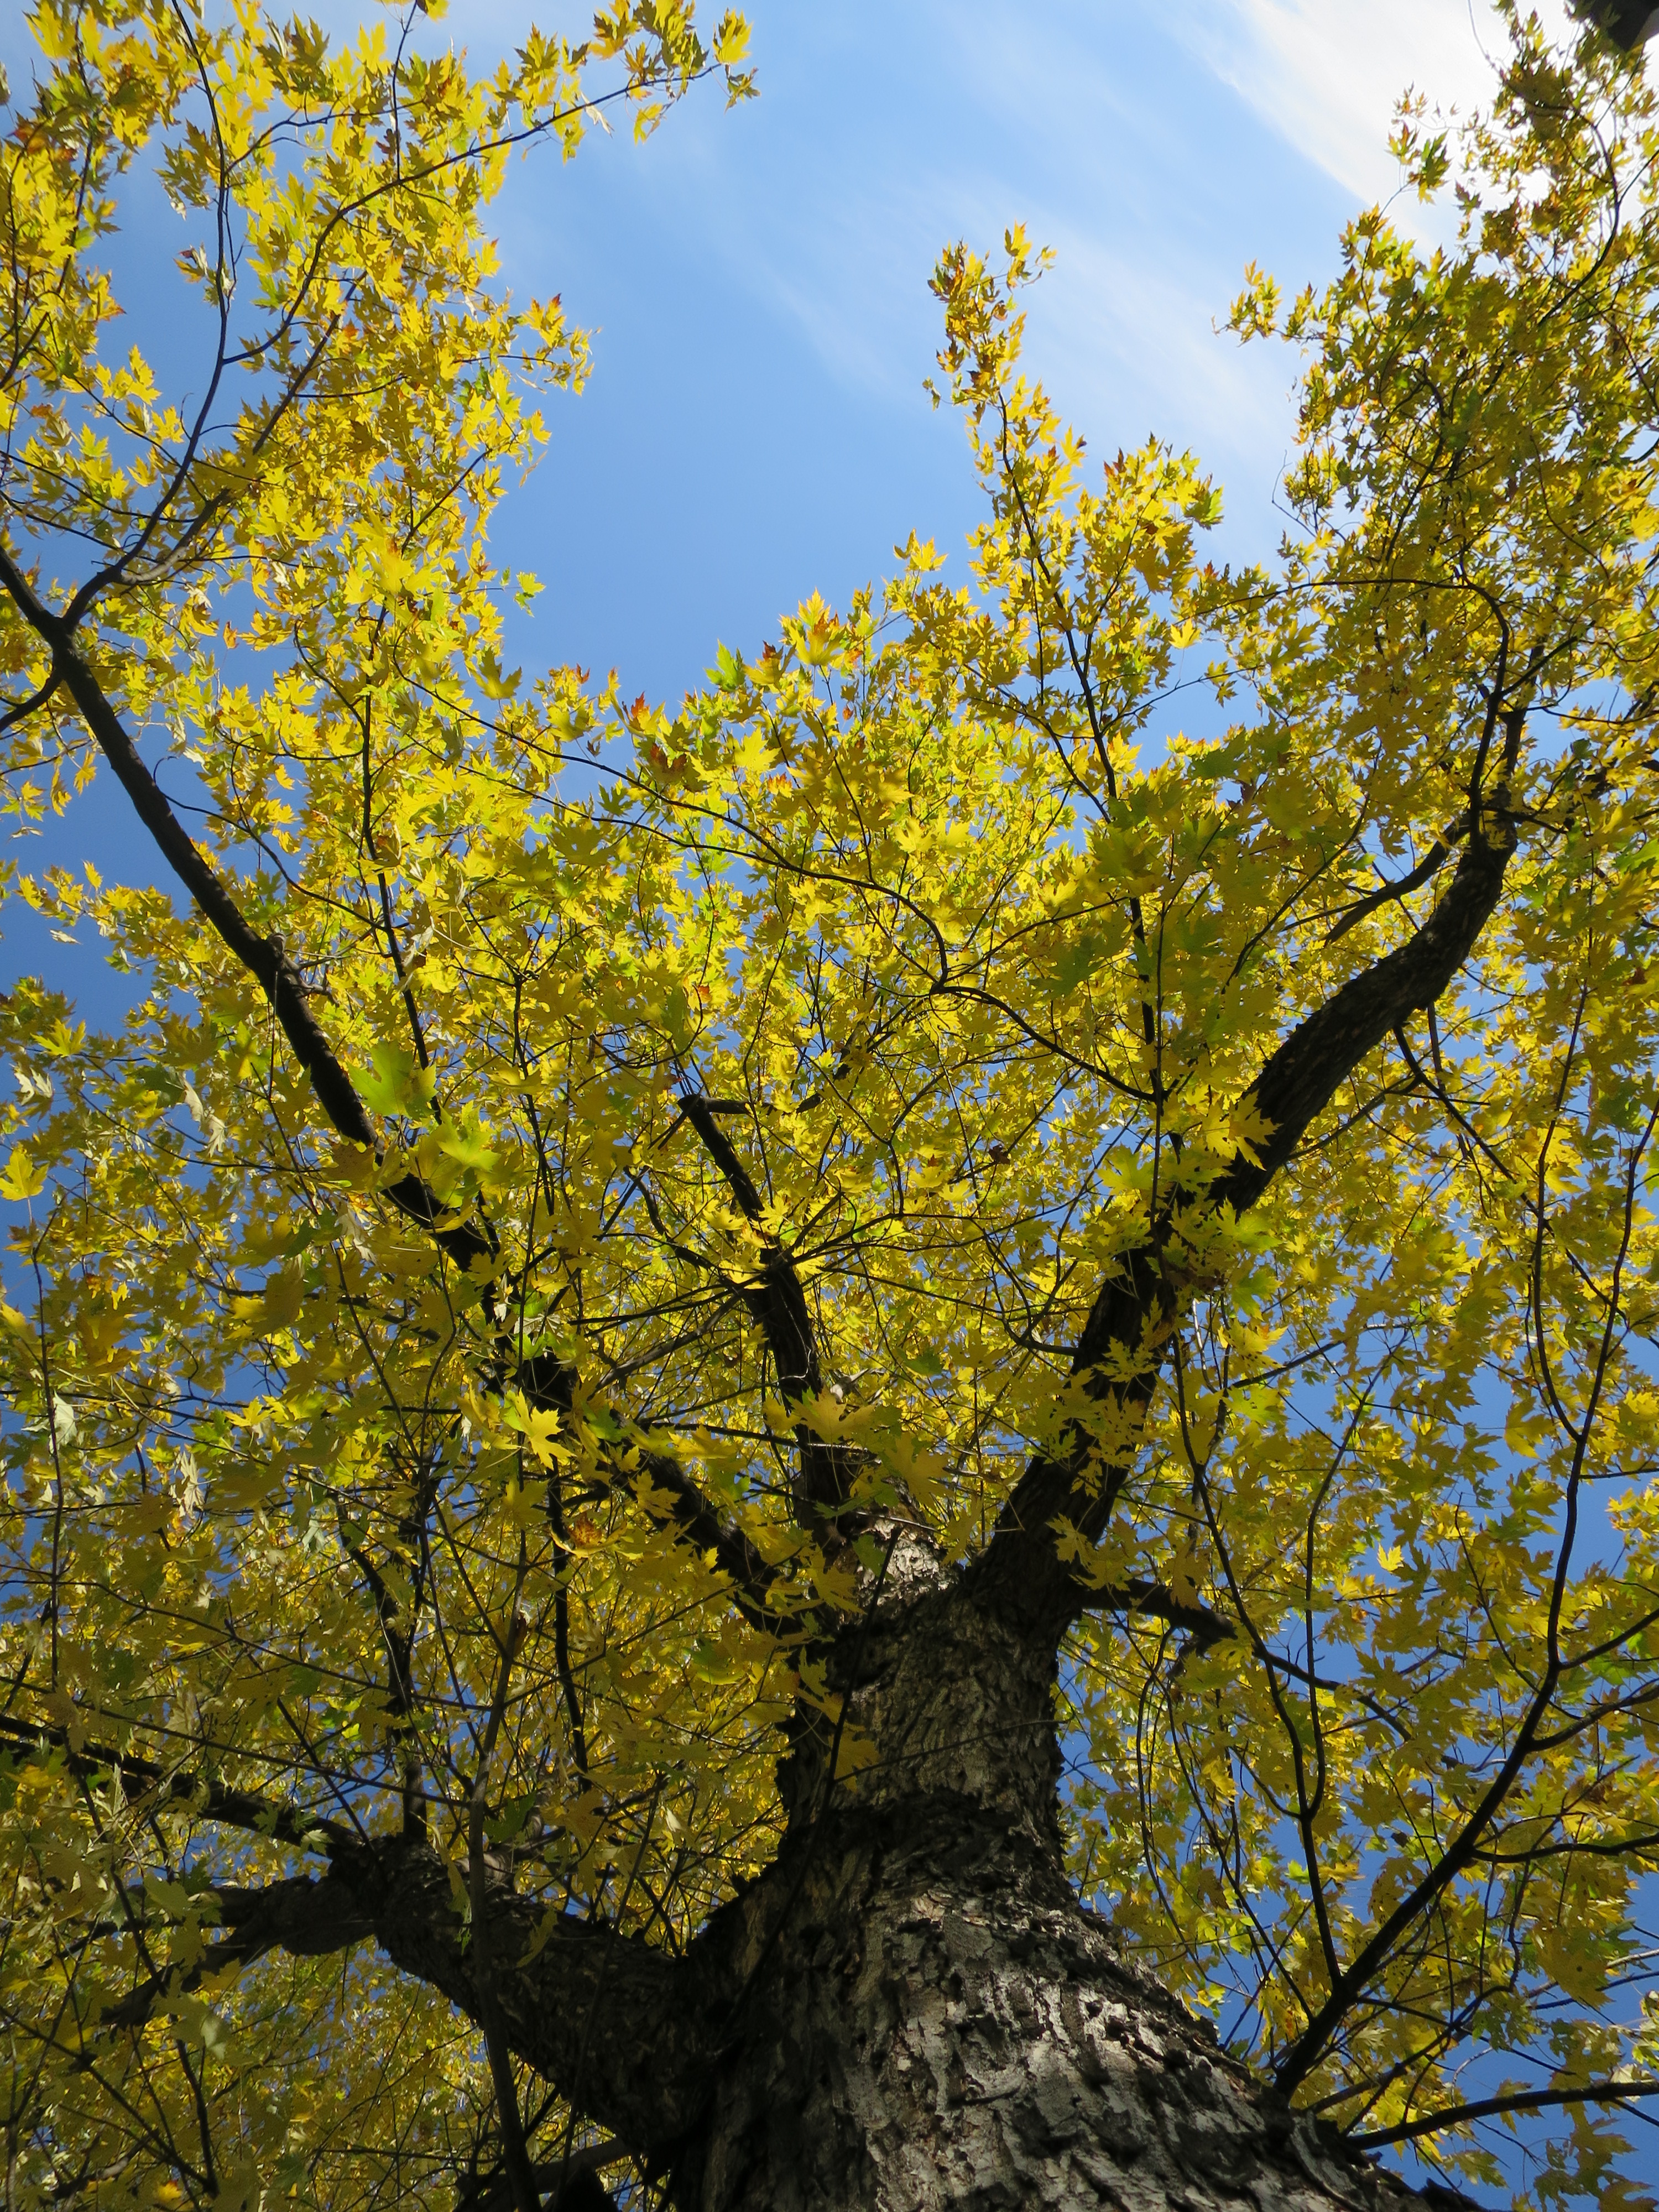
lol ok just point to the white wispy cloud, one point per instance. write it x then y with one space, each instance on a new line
1079 124
1327 74
1090 122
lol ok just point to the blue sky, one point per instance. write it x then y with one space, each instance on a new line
755 427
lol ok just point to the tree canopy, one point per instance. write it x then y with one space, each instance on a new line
1130 1078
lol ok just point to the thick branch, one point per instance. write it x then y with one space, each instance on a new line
1628 23
515 2151
1151 1598
696 1521
1122 1347
307 1919
621 2029
1430 865
208 1799
778 1302
573 2179
264 957
1302 1078
625 2031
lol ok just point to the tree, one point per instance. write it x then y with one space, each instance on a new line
1626 22
660 1322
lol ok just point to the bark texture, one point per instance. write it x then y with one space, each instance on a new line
922 2015
944 2026
909 2010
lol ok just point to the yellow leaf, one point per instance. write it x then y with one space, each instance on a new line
22 1178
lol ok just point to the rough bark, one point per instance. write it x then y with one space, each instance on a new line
943 2026
909 2010
923 2015
622 2026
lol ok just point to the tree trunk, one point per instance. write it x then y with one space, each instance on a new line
942 2025
923 2015
908 2010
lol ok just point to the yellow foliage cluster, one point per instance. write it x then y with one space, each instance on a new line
971 961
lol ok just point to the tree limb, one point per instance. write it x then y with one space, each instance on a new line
1431 864
1121 1350
1628 23
264 957
778 1302
266 960
1303 1075
209 1799
1198 1621
306 1918
574 2178
639 2062
1522 2100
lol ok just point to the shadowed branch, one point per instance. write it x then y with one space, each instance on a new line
777 1299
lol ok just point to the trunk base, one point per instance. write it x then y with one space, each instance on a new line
940 2024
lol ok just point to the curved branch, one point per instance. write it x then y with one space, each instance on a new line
640 2063
306 1917
507 2116
1152 1598
642 2057
1300 1079
572 2181
1430 865
1522 2100
1628 23
1304 2053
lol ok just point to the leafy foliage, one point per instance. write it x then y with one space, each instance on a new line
460 1387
